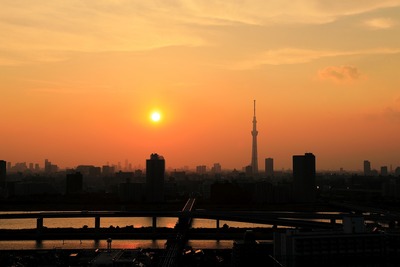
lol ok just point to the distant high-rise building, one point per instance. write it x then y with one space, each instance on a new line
254 133
384 171
3 172
155 171
216 168
367 167
126 165
9 166
248 170
47 166
269 167
74 183
201 169
304 177
107 170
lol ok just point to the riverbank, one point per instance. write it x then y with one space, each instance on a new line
125 233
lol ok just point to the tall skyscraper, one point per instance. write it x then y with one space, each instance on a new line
367 167
304 177
269 167
3 172
155 169
254 157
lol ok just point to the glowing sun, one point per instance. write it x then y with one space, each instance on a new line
155 116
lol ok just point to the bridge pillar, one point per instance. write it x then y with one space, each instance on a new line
39 223
97 222
333 221
154 223
217 224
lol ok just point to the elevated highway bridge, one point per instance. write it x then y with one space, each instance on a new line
188 213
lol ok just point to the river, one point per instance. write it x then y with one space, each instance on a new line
107 222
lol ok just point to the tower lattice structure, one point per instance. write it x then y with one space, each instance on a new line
254 133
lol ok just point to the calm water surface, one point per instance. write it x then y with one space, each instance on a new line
107 222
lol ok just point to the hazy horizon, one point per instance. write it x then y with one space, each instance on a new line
79 81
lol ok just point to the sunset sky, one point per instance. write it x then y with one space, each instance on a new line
79 80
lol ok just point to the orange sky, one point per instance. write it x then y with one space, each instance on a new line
78 80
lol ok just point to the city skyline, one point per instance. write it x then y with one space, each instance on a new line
80 89
267 169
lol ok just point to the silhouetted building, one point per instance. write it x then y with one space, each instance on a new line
397 171
249 252
367 168
3 172
254 133
20 167
49 168
216 168
88 170
304 177
74 183
201 169
248 170
155 171
384 171
107 170
296 248
269 167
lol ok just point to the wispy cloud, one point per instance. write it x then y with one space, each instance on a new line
340 74
380 23
134 25
298 56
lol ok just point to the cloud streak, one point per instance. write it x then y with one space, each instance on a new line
287 56
380 23
340 74
133 25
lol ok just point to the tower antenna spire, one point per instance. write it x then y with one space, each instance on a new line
254 107
254 157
